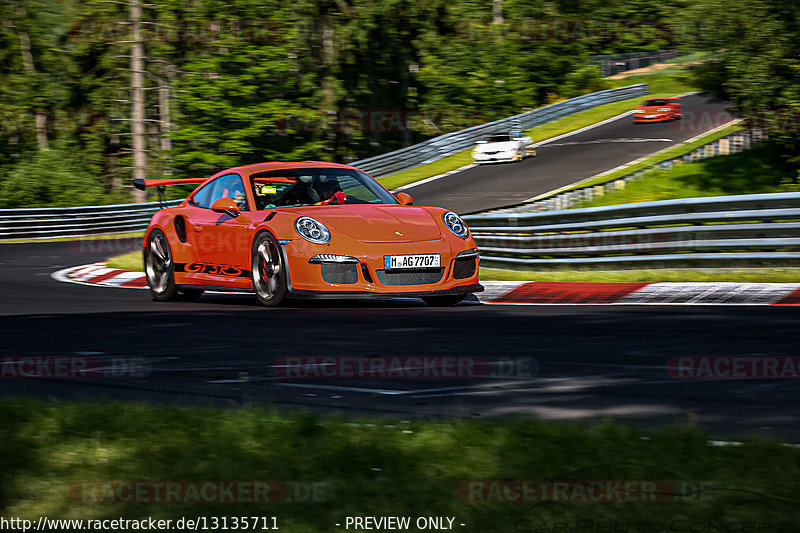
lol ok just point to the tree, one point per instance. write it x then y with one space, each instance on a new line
237 93
756 61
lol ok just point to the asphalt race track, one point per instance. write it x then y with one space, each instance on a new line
581 362
567 160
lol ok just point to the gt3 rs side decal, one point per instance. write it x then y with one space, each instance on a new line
213 269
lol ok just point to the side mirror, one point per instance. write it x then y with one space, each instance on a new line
227 206
404 199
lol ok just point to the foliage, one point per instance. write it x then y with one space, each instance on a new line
50 178
756 63
252 80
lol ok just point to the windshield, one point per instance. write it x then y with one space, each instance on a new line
316 186
656 102
499 138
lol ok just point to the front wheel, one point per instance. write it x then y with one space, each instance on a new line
268 271
159 268
444 301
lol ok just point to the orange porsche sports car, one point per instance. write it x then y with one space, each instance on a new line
658 110
309 229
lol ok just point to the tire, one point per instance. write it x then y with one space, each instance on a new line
268 273
159 268
444 301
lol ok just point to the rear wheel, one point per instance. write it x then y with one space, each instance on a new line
268 272
444 301
159 268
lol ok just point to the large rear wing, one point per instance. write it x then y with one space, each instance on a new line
143 184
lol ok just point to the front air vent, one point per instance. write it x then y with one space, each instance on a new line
413 277
339 273
464 267
365 272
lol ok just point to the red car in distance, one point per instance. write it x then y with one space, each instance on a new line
658 110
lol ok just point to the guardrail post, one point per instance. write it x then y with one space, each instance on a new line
724 146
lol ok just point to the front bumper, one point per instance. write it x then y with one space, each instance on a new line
462 289
480 158
368 276
651 118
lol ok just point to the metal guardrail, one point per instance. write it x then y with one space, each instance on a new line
451 143
53 222
614 64
752 229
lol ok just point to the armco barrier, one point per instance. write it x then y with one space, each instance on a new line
43 223
614 64
757 229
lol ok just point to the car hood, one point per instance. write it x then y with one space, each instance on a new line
497 146
377 223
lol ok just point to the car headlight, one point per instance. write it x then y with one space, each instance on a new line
664 109
312 230
455 225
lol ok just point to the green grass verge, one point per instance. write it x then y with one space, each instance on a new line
741 275
661 85
127 261
378 467
445 164
757 170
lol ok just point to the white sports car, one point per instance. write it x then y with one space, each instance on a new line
503 147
